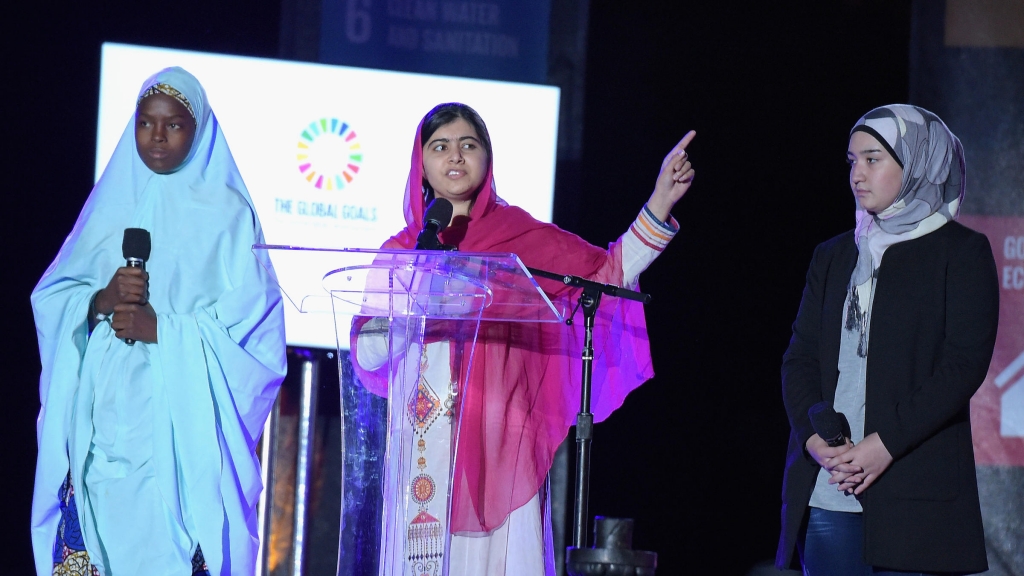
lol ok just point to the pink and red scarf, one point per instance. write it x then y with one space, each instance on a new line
522 392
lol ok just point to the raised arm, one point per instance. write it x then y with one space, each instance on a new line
674 180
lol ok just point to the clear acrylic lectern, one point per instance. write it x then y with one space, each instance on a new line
417 313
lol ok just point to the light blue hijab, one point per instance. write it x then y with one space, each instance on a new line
215 372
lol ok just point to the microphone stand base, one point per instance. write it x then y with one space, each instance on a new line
610 562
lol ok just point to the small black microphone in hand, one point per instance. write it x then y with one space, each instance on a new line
437 217
832 426
135 248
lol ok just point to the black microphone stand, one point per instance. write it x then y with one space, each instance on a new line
589 300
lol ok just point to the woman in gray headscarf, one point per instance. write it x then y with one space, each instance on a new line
895 331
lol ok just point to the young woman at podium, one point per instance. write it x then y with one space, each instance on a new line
518 399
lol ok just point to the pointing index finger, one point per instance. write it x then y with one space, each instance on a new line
681 146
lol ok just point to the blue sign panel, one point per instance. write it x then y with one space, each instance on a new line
499 40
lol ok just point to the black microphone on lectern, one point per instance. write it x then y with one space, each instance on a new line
438 215
135 248
832 426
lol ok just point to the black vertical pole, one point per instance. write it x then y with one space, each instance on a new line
584 421
588 301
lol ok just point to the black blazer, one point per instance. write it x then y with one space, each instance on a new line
933 328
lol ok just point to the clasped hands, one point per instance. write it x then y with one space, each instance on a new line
853 468
126 301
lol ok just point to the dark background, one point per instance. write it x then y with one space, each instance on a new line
695 455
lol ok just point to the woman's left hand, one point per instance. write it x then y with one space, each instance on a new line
673 181
135 322
871 456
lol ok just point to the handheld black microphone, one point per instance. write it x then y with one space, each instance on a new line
438 216
135 248
832 426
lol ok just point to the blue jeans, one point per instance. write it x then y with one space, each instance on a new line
834 546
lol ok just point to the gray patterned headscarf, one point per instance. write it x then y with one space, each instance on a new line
934 178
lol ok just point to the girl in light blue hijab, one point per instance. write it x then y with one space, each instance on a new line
146 451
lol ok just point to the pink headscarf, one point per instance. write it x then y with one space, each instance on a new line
522 392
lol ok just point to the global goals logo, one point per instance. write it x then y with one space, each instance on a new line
329 154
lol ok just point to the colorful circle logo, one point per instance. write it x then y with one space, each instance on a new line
329 154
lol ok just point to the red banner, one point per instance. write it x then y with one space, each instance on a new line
997 410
